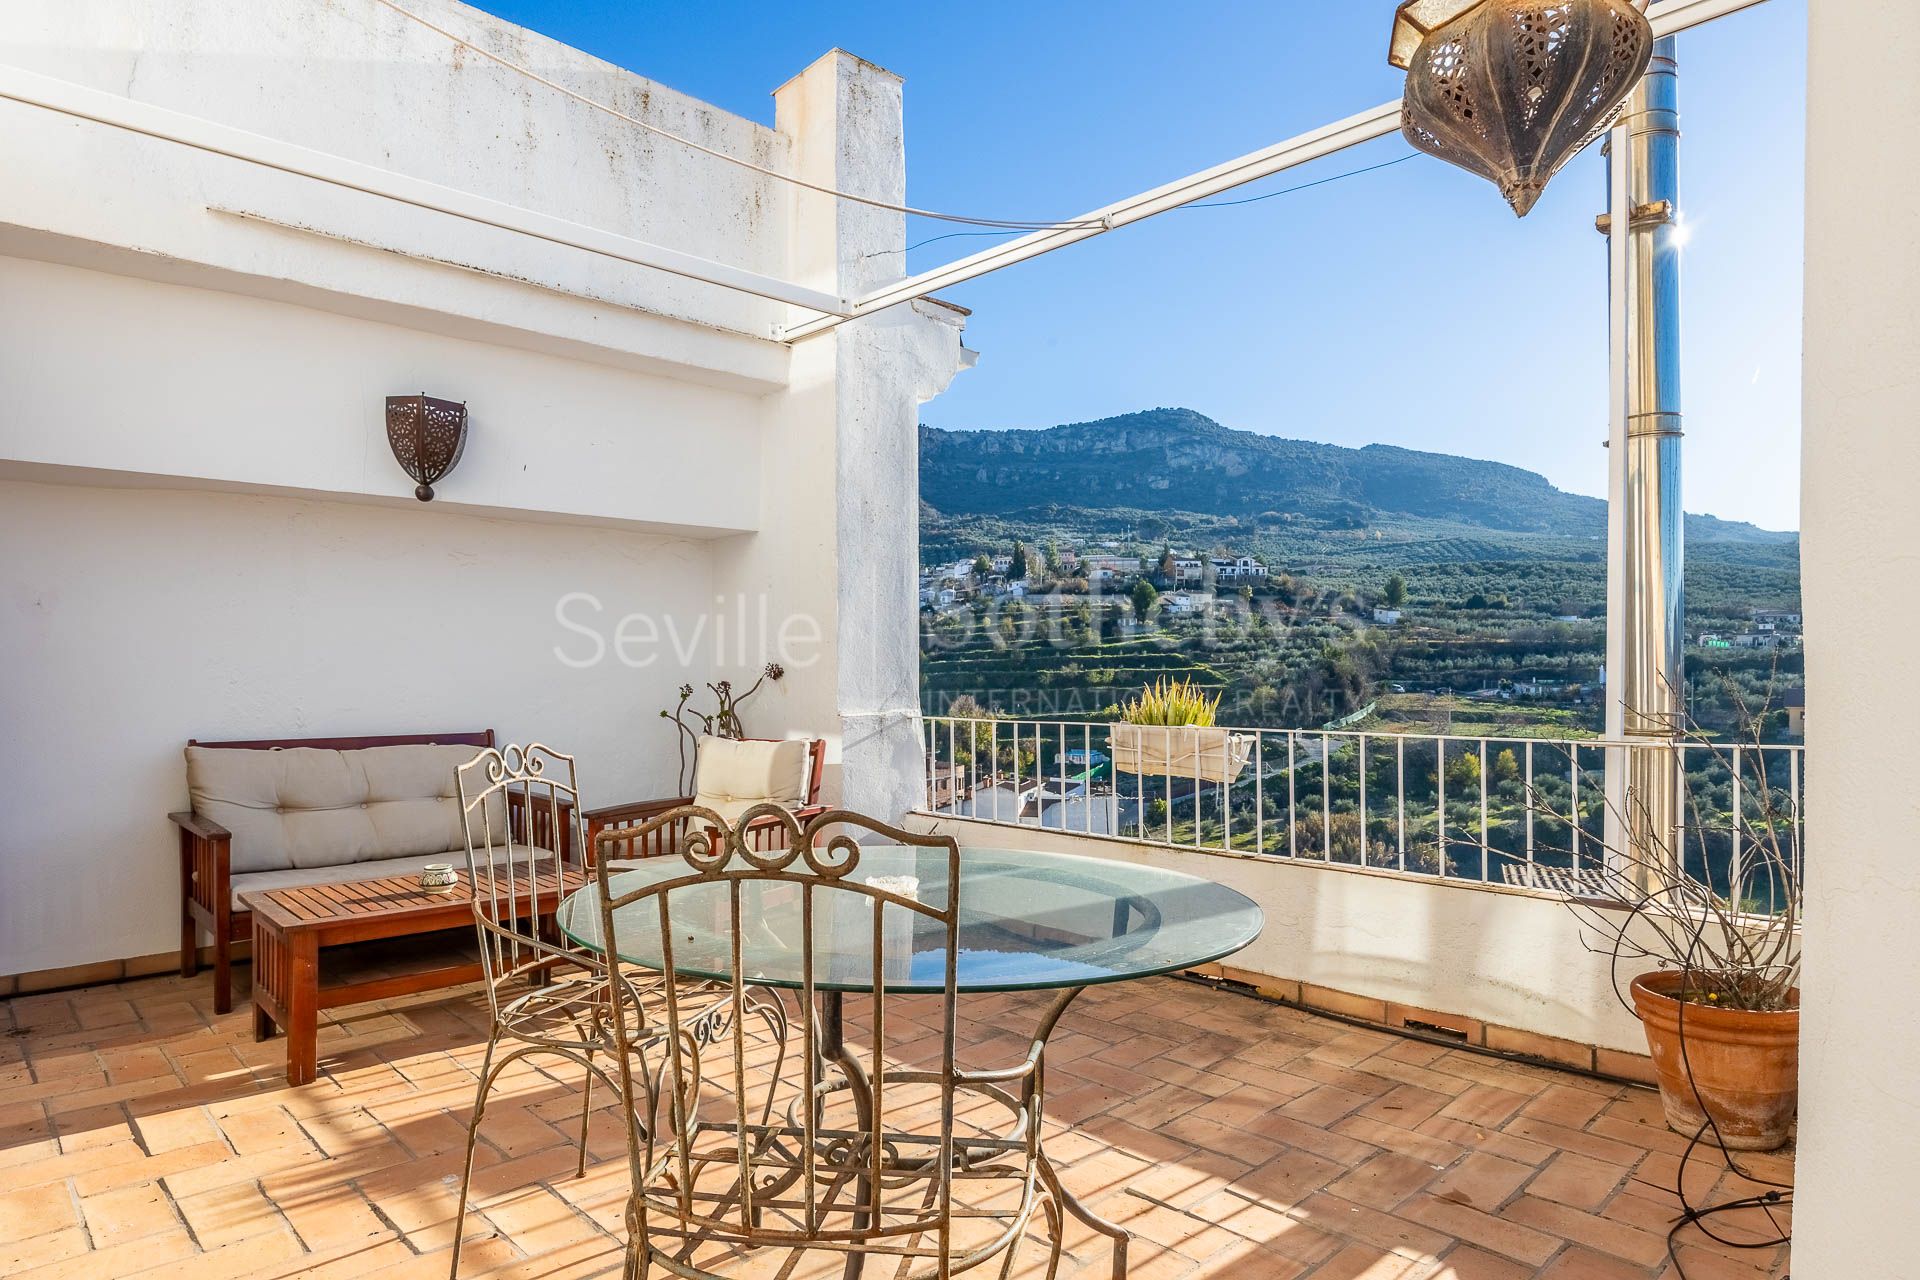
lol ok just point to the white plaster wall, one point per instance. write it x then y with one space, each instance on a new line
132 620
357 80
1502 957
1860 554
183 384
230 549
856 392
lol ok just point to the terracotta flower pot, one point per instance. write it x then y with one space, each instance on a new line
1744 1066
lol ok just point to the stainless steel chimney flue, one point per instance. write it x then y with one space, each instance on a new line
1647 603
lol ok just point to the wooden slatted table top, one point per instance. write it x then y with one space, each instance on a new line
319 905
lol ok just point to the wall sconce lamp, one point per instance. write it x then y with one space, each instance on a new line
427 437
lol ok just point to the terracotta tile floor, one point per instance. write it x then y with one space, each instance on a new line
140 1135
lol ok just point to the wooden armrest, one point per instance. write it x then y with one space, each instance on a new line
205 828
802 816
634 810
206 854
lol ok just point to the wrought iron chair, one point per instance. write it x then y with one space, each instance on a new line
837 1146
521 807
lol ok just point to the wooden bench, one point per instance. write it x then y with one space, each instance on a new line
206 854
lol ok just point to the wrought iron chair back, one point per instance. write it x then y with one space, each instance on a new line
521 810
722 1166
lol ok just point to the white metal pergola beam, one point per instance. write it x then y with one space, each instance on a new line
81 102
1667 16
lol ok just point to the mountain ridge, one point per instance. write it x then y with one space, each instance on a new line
1179 460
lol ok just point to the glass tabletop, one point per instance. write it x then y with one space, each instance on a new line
1028 921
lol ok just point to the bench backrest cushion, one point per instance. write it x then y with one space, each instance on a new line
315 807
731 777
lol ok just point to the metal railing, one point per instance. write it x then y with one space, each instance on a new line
1523 811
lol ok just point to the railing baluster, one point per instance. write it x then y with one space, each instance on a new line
993 727
1167 780
1400 786
1486 870
1259 791
1196 788
1527 791
1226 799
1326 798
1793 804
1140 802
1063 780
1735 855
1680 809
1573 791
1293 823
1440 801
1086 746
1018 804
1361 743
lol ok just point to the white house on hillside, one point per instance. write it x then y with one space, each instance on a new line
1238 569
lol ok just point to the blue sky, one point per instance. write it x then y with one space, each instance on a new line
1406 306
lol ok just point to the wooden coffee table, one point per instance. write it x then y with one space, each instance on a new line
292 926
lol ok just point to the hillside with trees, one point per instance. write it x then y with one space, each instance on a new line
1494 580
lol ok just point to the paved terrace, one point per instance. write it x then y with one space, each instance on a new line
141 1135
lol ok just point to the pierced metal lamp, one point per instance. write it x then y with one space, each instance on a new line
1513 89
427 437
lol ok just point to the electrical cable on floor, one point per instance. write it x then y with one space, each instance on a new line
1778 1194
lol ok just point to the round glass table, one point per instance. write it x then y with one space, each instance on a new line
1028 921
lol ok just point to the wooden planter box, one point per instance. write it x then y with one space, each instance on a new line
1180 751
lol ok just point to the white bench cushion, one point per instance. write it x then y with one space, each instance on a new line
301 808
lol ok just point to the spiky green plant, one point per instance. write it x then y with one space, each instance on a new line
1172 702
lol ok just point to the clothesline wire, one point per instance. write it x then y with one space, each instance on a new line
1207 204
999 224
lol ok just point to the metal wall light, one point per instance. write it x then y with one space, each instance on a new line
1513 89
427 437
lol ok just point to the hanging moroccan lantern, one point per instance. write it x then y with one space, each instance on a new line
1513 89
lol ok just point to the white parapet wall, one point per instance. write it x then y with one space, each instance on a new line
1859 1042
206 535
1506 958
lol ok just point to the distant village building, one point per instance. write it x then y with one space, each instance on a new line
1182 603
1386 617
1111 568
1755 640
1795 702
1532 688
1238 569
1188 570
